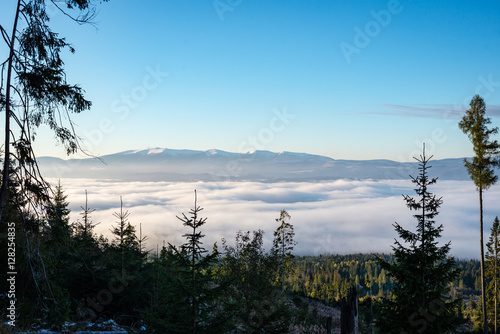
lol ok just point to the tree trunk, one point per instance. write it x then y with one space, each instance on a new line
329 325
6 162
483 283
349 313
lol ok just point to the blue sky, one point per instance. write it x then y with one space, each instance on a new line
349 80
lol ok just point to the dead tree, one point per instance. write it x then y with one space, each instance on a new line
349 313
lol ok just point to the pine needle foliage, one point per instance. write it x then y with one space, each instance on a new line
492 268
481 169
259 305
283 244
422 270
190 301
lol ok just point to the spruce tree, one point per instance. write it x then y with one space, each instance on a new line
126 241
492 271
56 247
283 244
481 169
88 264
34 90
83 231
189 299
58 229
422 270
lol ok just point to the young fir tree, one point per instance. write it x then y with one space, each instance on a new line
56 248
283 245
259 306
57 233
58 229
481 169
492 268
88 266
39 299
189 299
126 263
422 270
83 230
126 241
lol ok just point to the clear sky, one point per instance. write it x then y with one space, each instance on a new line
346 79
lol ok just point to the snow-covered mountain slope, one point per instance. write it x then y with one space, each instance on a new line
159 164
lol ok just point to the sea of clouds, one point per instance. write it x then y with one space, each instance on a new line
333 217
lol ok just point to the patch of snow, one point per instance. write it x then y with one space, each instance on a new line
156 150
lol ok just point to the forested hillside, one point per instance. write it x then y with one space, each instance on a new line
328 277
111 282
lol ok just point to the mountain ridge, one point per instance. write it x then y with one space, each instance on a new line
163 164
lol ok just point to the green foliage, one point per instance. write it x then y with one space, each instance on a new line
481 169
283 245
40 71
58 229
258 305
124 232
475 125
168 308
34 92
328 277
422 271
492 270
186 298
56 246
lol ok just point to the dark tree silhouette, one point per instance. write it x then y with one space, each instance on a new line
188 298
422 271
283 244
492 268
481 169
259 305
34 91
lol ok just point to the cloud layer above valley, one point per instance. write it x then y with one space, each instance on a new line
339 217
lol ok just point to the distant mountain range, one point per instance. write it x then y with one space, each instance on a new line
158 164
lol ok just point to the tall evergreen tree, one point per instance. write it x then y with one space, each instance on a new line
126 240
56 247
492 268
189 299
422 271
83 231
59 228
481 169
195 262
88 261
126 261
283 244
34 90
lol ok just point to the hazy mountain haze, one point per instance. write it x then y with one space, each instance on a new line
159 164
